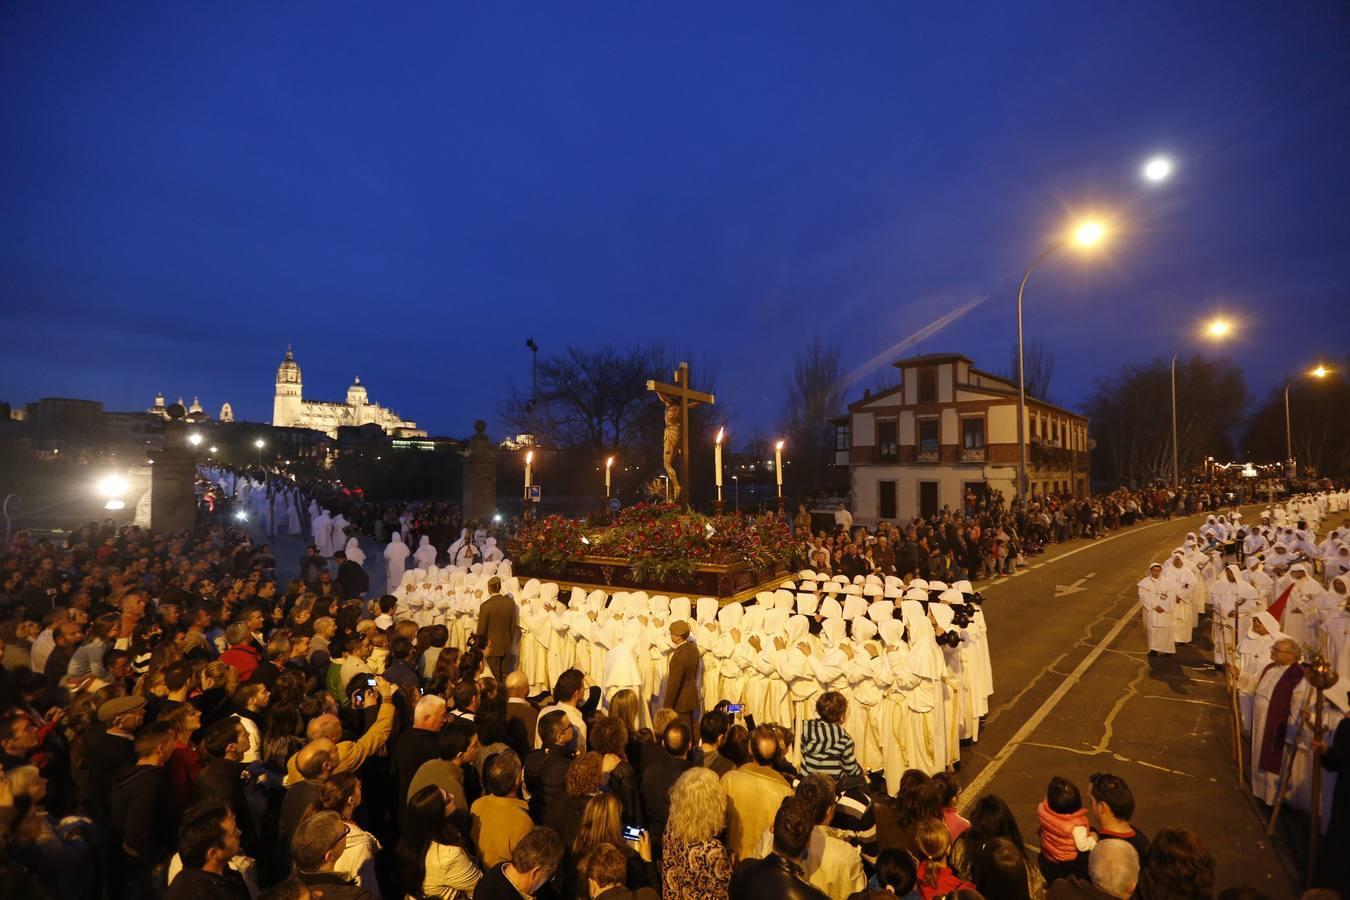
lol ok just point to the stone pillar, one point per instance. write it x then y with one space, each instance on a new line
173 502
480 475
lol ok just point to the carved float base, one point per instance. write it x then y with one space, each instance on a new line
728 583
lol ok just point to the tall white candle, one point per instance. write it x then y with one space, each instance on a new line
609 463
778 465
717 463
529 458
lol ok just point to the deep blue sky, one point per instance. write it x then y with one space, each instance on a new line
409 194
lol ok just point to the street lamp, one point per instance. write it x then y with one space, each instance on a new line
736 486
195 440
211 449
259 444
1216 329
1085 236
1158 169
1319 372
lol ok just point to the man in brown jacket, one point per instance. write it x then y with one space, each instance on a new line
498 622
683 678
754 791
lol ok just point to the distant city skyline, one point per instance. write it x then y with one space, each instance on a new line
410 194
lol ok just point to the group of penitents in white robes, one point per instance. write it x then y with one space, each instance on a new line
1266 617
274 504
912 658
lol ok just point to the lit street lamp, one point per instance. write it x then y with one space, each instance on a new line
1216 329
259 444
195 440
736 486
1319 372
1085 236
1158 169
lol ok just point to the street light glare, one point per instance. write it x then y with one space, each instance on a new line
1320 372
1089 234
1219 328
195 439
258 443
1157 169
112 486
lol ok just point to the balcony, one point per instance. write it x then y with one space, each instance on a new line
928 455
971 454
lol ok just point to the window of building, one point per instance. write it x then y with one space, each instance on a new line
841 438
972 434
928 385
887 437
929 436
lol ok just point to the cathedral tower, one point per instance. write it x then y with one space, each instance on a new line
286 403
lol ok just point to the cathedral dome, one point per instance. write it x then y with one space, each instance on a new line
289 370
356 394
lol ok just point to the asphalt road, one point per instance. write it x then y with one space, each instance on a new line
1076 693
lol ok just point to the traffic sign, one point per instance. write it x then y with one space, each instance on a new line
614 504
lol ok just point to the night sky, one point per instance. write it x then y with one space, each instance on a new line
408 195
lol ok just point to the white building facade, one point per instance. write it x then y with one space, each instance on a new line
291 410
947 432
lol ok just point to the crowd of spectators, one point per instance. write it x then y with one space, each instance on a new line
175 723
988 537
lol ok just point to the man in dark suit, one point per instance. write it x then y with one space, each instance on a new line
498 622
682 682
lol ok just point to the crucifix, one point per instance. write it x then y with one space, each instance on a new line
678 398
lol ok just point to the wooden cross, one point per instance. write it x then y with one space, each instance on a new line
679 394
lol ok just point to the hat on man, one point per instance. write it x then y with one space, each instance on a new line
679 628
113 709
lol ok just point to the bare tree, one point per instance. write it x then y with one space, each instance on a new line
814 393
1317 424
1039 361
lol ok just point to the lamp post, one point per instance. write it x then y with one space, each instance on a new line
259 445
736 490
1217 328
1319 372
1086 235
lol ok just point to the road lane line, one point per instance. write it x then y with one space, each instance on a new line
977 787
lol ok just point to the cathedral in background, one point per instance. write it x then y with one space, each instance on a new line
290 409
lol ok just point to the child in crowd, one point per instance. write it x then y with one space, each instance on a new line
936 879
950 786
1065 834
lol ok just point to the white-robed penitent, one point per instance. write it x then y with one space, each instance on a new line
322 530
1253 655
1155 597
1234 602
1183 581
1301 610
425 556
354 552
396 561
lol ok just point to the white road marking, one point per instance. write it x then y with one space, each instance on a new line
977 787
1064 590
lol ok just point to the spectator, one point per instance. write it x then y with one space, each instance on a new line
1178 867
208 839
831 864
1113 870
1001 871
827 748
456 744
1113 805
949 787
546 769
778 875
318 843
754 792
532 865
342 794
936 879
1066 835
418 744
712 730
143 825
499 819
585 779
600 827
610 737
896 876
991 818
603 874
431 857
660 775
695 864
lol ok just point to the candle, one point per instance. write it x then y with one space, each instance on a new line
778 465
717 463
529 458
609 463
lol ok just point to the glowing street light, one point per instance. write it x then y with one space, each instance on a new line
1086 235
1320 372
1158 169
211 449
259 444
112 486
1216 329
195 440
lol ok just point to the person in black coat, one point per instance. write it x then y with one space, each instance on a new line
1333 865
660 775
142 822
107 752
208 839
778 876
224 779
546 768
351 578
